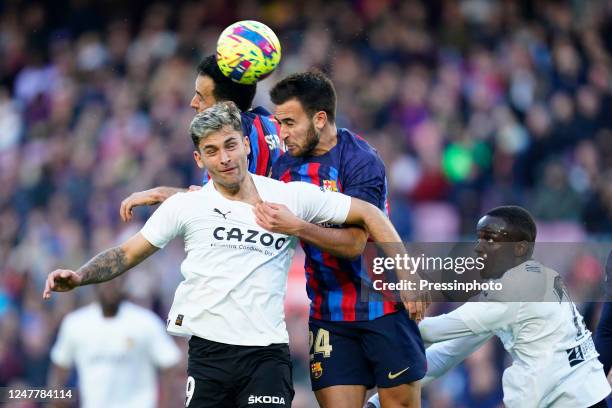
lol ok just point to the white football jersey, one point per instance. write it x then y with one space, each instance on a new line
554 359
115 357
235 271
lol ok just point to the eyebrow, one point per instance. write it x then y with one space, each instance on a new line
283 120
230 139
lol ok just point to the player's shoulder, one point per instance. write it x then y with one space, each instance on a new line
525 282
356 151
279 191
257 111
268 183
186 197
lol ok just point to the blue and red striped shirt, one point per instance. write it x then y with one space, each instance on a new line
262 130
334 285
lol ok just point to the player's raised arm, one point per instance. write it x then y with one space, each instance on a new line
343 242
380 228
104 266
374 220
152 196
316 206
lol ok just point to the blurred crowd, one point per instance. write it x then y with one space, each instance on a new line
471 104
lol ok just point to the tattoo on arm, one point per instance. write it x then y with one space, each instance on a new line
104 266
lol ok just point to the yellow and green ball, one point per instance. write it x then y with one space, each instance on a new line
248 51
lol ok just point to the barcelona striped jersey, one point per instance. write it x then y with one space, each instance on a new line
334 285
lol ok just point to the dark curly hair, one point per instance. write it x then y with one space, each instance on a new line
225 88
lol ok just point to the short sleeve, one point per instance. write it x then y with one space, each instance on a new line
163 351
165 223
62 352
318 206
366 180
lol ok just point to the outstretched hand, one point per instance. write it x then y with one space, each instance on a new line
61 280
277 218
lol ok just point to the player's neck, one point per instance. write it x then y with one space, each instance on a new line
328 139
245 191
109 311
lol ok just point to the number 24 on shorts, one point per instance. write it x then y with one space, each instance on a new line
321 343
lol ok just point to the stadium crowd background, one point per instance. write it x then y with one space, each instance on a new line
470 103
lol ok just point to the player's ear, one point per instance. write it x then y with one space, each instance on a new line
521 249
320 119
247 144
198 159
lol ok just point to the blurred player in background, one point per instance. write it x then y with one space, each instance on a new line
211 86
231 301
116 348
356 343
555 362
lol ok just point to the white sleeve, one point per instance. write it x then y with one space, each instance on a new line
163 351
62 352
319 206
470 318
165 223
441 357
444 327
485 317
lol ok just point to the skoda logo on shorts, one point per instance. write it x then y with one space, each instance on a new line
249 236
265 399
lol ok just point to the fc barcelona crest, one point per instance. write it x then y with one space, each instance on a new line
316 370
330 185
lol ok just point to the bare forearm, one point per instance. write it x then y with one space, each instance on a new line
163 193
341 242
379 226
104 266
383 233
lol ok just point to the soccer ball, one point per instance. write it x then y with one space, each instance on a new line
248 51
